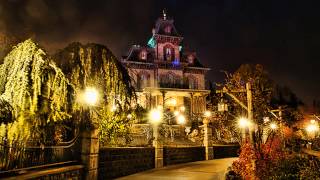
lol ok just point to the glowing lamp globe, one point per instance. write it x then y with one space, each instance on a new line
207 113
182 108
155 116
91 96
181 119
273 126
244 122
312 128
173 102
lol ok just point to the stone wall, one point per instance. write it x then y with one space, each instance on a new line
117 162
176 155
74 172
225 151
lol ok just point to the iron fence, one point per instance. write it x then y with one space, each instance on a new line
16 155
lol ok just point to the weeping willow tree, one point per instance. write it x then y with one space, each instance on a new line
94 66
35 92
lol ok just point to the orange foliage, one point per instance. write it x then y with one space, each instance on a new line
259 163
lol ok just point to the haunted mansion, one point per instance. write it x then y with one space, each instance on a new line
166 75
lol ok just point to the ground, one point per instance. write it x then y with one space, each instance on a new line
203 170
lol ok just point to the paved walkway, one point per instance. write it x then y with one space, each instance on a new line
200 170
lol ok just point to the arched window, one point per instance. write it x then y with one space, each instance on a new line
167 29
143 80
168 53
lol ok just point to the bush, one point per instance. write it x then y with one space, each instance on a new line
271 162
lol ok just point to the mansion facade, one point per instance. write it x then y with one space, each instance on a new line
166 75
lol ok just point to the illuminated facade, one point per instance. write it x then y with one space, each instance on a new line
165 75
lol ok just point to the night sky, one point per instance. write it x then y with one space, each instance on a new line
282 35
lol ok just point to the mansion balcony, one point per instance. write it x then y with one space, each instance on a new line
177 85
140 87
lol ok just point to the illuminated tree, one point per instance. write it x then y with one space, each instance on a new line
36 90
94 65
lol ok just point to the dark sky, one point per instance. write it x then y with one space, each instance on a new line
283 35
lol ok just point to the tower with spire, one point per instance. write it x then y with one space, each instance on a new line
167 75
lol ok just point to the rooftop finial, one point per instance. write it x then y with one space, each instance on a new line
164 14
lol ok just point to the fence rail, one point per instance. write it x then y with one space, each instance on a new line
16 155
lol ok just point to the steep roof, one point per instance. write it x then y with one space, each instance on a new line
134 53
161 24
196 60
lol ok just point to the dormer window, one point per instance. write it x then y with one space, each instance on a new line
143 55
167 29
190 59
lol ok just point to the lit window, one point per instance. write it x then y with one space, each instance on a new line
167 29
190 59
168 54
144 55
143 80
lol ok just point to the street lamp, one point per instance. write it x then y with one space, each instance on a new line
273 126
207 114
90 96
222 106
182 108
172 102
181 119
312 128
244 122
155 116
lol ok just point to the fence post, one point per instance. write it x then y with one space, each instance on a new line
90 153
207 139
158 147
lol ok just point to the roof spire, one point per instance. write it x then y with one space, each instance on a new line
164 14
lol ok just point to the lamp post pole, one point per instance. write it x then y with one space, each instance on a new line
89 135
250 112
155 117
248 107
207 138
158 147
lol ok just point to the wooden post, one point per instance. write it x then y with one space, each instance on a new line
163 99
207 139
191 109
249 108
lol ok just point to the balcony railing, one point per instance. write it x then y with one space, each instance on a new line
176 85
167 85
